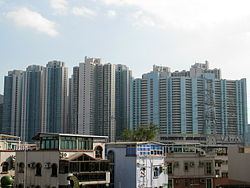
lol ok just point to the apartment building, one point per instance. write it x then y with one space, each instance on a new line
195 103
197 165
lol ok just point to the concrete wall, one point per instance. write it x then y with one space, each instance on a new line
29 177
125 169
195 169
238 165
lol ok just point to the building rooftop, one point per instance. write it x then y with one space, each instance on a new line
7 136
70 135
134 142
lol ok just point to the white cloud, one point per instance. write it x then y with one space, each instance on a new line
141 19
61 6
83 11
118 2
111 13
27 18
189 14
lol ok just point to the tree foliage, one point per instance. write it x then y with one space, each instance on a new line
142 133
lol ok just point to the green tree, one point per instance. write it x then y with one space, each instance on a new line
141 133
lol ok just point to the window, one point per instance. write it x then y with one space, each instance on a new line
54 170
20 186
170 183
68 142
63 167
21 168
38 169
85 143
131 150
186 166
224 174
156 172
49 143
217 172
98 152
208 168
209 183
5 167
111 158
170 168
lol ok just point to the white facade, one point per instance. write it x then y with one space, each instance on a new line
137 165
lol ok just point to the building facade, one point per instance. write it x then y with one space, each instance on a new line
137 164
1 112
196 165
12 103
8 146
135 104
239 167
123 82
32 115
87 96
61 160
56 79
99 97
191 103
73 100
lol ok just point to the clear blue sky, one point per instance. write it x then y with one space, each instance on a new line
138 33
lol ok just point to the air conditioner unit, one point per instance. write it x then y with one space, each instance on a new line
63 155
202 180
32 165
191 164
202 153
47 165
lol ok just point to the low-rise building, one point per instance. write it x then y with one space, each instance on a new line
61 160
8 145
196 165
137 164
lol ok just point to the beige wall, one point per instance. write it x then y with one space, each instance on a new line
6 156
42 157
193 170
239 165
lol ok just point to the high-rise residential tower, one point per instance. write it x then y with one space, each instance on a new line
150 94
101 94
135 104
191 103
1 112
32 116
12 103
123 81
73 101
56 97
109 119
88 96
